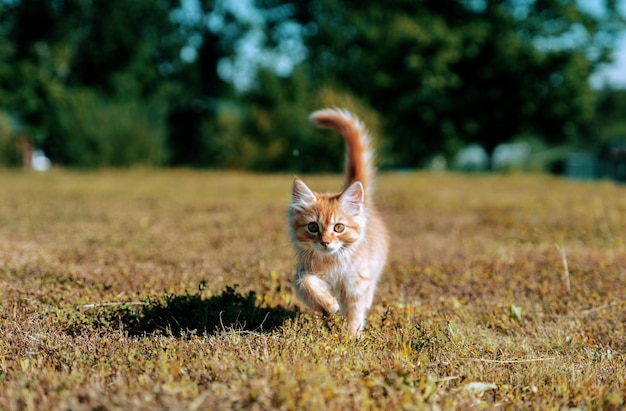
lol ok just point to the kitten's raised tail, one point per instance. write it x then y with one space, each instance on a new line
359 151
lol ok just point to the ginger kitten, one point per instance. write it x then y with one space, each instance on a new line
340 238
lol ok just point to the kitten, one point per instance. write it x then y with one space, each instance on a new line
340 238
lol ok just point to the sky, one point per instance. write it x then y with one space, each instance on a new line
613 74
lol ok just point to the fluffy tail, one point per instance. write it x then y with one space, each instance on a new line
359 151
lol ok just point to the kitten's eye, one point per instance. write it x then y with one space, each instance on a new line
339 228
313 227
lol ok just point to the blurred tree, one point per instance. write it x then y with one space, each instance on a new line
282 136
233 48
610 117
443 74
179 75
53 50
29 68
121 48
276 133
9 144
195 102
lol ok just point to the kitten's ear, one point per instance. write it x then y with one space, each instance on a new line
352 198
301 196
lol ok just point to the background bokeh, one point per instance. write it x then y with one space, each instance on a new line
229 83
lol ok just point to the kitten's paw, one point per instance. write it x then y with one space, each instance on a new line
333 308
355 325
355 330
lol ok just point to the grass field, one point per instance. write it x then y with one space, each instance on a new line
172 290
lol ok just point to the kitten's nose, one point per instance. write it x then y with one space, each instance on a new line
324 243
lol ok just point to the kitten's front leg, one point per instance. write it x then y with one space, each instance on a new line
355 319
357 302
315 293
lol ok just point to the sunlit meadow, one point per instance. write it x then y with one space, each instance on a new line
160 290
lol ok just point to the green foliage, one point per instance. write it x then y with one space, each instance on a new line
121 52
610 119
432 76
9 148
443 74
99 132
278 121
111 53
278 133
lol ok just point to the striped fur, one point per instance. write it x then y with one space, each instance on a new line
340 238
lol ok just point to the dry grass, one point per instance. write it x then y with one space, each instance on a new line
171 290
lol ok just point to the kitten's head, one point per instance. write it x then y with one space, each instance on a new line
326 224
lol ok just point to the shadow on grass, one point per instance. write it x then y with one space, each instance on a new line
188 314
